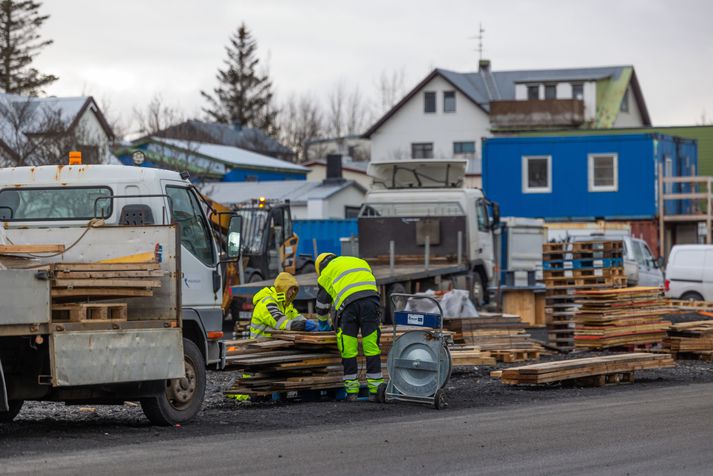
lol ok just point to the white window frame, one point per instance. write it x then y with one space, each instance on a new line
590 166
526 178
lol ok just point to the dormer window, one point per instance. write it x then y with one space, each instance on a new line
429 102
550 91
533 92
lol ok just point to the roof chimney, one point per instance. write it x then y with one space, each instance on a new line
484 65
334 169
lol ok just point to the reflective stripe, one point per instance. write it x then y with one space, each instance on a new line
323 318
267 298
322 306
349 271
352 286
375 376
282 320
350 377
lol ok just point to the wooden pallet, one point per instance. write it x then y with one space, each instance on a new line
597 368
83 312
514 355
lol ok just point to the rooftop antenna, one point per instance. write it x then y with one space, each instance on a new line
479 37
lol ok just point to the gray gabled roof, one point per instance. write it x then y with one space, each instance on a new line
296 191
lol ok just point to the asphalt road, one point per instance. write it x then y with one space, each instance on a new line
662 431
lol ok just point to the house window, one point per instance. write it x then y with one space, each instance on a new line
533 92
550 91
423 150
351 212
449 101
537 174
577 91
625 102
463 148
603 174
429 102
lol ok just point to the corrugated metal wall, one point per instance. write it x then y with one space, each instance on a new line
326 232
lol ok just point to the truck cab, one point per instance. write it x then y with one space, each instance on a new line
415 202
70 196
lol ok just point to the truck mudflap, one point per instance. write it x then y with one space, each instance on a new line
106 357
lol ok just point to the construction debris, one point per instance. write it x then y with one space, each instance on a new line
595 371
620 317
690 340
572 266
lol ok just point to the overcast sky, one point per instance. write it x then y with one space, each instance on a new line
128 51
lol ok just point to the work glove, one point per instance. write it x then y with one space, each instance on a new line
297 325
310 325
324 325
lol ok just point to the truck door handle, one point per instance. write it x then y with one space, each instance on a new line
480 250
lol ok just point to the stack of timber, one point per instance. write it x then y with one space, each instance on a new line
292 361
573 266
588 371
620 317
690 340
76 288
503 336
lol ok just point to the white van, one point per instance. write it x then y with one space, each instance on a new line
689 272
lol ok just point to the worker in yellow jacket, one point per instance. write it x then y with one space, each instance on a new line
347 284
274 310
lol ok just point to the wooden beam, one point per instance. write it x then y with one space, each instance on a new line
31 248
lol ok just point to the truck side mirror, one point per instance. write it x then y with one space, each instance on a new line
235 229
495 212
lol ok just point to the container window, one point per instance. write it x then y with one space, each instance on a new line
537 174
65 203
603 173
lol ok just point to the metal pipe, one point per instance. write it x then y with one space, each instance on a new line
392 256
427 253
460 247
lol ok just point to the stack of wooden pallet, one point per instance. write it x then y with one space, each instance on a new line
76 288
690 340
620 317
572 266
593 370
503 336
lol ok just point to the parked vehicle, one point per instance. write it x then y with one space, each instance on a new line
639 264
114 210
689 272
420 228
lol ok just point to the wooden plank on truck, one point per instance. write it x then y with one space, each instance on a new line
32 248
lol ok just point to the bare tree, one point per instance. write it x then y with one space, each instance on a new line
157 116
113 118
300 121
347 112
35 134
390 88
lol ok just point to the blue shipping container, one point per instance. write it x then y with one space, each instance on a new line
554 177
326 232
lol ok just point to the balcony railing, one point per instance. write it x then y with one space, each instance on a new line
546 113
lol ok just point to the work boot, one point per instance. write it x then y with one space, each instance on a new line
352 397
374 398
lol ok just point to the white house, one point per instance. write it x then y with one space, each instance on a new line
448 113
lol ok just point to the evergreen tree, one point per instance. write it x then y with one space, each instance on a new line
244 93
19 43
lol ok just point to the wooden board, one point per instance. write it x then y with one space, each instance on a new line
31 249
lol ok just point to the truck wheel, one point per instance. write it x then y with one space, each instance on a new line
183 396
15 407
691 296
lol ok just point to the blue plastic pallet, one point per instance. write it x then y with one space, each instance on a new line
582 263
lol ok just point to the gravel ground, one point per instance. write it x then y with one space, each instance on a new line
42 426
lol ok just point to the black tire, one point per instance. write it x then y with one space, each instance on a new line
183 398
307 269
478 292
254 278
439 400
15 407
691 296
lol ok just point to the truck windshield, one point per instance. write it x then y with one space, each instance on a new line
414 209
65 203
253 230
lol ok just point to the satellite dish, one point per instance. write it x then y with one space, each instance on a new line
138 157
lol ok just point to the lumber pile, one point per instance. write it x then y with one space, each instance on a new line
690 340
594 370
503 336
620 317
573 266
